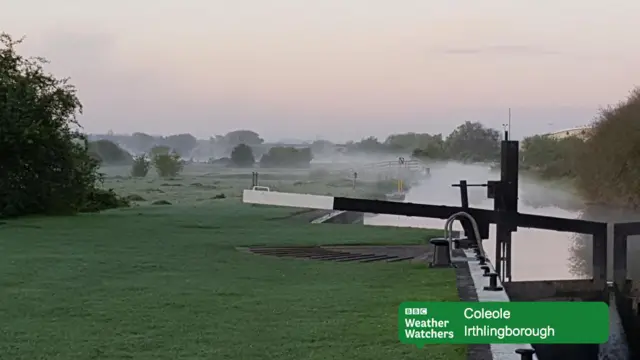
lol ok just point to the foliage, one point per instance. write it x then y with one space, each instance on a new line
286 157
434 148
182 143
320 146
608 169
142 142
370 144
160 150
48 169
429 145
140 166
167 165
242 156
101 199
551 158
605 166
472 142
109 153
238 137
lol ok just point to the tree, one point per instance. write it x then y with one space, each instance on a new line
238 137
286 157
181 143
473 142
108 152
370 144
410 141
142 142
242 156
320 146
47 167
429 146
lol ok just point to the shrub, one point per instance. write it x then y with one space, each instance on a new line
140 166
242 156
101 199
168 165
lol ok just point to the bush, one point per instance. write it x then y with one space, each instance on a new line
48 168
101 199
286 157
140 166
242 156
168 165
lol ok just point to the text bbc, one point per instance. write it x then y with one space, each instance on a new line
415 311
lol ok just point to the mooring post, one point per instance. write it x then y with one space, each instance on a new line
441 253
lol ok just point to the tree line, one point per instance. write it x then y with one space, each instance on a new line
51 167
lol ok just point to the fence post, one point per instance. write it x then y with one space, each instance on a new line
619 258
600 257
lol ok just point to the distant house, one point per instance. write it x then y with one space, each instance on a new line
582 132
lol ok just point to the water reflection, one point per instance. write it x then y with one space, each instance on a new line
537 254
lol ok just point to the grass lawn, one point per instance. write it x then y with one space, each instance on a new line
202 182
165 282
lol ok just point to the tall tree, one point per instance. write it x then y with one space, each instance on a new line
46 167
473 142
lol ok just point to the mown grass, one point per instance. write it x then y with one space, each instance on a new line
166 282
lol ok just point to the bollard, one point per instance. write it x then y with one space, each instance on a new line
463 243
441 254
493 282
482 260
525 354
486 269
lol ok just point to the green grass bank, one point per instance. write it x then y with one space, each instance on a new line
166 282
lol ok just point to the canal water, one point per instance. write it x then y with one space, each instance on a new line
537 254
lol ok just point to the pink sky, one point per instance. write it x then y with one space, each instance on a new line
333 68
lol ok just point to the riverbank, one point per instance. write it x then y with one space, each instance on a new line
162 282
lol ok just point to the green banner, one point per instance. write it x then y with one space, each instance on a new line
422 323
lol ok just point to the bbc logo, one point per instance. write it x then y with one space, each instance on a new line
415 311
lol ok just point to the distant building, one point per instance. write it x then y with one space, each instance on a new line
582 132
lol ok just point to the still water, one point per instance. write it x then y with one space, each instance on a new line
537 254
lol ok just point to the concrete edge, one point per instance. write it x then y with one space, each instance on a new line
498 351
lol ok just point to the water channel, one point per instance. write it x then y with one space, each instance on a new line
537 254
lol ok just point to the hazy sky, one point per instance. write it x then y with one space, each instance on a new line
335 69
